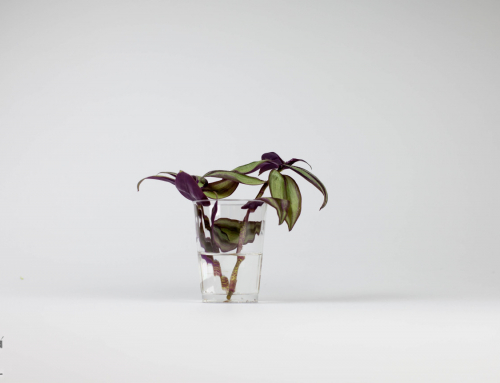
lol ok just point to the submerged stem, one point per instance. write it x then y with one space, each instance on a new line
240 258
210 260
234 276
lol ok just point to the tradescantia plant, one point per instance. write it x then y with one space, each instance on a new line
285 193
226 235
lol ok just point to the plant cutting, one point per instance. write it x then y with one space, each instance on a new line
230 233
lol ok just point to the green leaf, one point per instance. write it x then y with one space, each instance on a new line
281 206
277 184
295 199
285 188
227 232
235 176
220 189
313 180
277 187
251 167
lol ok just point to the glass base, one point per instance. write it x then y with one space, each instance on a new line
221 273
235 298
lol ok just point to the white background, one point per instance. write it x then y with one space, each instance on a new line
393 103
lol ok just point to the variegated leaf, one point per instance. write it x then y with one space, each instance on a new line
294 160
295 198
227 232
235 176
281 206
220 189
313 180
277 184
253 166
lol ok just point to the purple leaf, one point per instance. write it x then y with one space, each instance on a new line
295 198
294 160
269 166
160 178
189 188
252 205
273 157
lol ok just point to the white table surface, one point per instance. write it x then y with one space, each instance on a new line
356 339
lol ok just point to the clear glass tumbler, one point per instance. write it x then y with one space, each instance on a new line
230 241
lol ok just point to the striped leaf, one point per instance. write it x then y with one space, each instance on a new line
285 188
294 160
254 166
281 206
277 184
235 176
220 189
295 199
313 180
226 232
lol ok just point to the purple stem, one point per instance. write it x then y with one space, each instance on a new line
240 258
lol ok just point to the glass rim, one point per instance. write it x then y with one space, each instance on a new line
226 200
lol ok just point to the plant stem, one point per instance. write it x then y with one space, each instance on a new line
240 258
262 190
241 240
234 277
218 273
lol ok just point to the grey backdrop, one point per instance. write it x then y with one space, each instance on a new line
394 103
